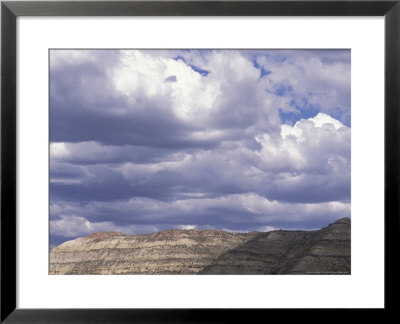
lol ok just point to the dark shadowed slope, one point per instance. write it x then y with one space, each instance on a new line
290 252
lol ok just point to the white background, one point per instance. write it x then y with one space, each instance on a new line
363 288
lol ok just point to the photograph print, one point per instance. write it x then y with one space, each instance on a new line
200 161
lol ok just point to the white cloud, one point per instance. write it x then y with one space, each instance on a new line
267 229
231 90
73 225
77 226
322 119
312 145
187 227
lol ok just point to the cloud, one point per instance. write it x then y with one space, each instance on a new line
96 153
239 212
187 227
143 140
313 145
307 80
268 229
76 226
129 102
171 78
308 162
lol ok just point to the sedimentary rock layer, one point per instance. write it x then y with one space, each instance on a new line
207 252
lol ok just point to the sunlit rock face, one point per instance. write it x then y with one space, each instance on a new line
323 251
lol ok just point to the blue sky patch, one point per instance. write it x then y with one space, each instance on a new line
292 117
194 67
263 71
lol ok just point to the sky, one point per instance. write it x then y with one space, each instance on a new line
236 140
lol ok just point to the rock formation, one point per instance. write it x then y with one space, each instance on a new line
325 251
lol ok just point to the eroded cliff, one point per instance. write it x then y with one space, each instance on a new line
207 252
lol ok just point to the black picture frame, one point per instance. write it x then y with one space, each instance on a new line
10 10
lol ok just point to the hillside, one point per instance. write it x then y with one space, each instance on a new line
207 252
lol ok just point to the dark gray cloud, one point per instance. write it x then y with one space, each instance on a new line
232 212
84 153
171 78
140 141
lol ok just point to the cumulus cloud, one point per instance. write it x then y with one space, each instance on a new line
148 140
129 103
